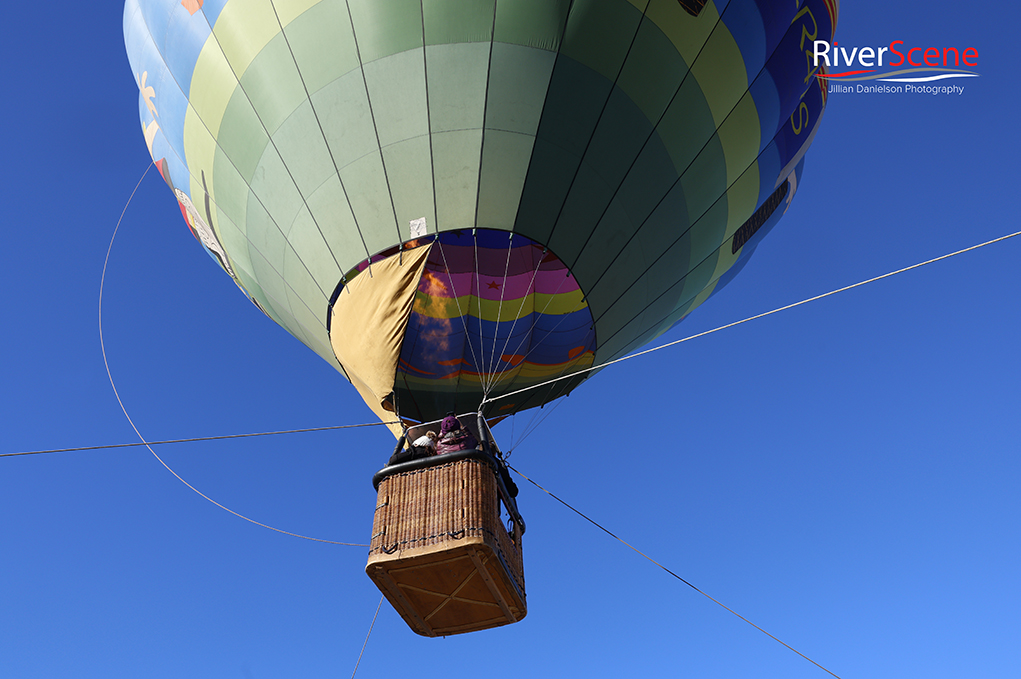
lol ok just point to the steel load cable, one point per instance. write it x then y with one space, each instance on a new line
752 318
200 438
649 558
109 374
366 642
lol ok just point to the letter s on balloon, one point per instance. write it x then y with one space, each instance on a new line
802 113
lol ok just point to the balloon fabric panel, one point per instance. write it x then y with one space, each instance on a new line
600 156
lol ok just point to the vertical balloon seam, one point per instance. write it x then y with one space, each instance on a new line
255 195
665 253
665 113
326 141
652 135
429 128
372 114
354 215
680 282
595 126
691 227
304 201
291 292
635 231
547 239
166 71
485 114
531 160
273 143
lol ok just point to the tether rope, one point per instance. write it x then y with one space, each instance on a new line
109 374
752 318
365 643
649 558
201 438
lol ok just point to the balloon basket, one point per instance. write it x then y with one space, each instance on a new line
439 551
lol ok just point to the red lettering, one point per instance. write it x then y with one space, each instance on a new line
931 56
892 49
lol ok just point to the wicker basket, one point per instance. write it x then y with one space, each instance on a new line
439 551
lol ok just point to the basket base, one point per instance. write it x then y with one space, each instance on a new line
447 589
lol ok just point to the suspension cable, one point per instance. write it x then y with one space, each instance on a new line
490 380
109 374
529 293
647 557
752 318
365 643
463 314
529 336
201 438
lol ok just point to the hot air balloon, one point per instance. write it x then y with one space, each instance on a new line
452 201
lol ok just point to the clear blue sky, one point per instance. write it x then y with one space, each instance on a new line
844 474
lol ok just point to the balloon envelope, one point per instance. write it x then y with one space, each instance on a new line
448 199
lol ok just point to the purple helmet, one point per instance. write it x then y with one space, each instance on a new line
450 423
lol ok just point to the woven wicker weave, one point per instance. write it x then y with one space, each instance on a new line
440 553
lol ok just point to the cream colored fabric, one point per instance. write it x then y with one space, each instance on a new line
368 325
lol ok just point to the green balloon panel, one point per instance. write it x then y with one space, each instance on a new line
632 140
